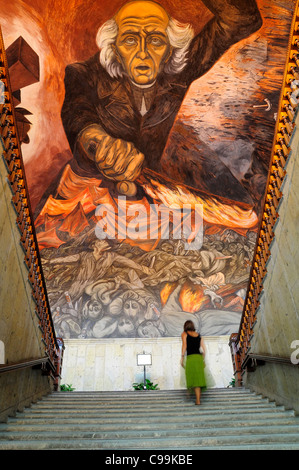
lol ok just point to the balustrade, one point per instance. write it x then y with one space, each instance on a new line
24 220
240 343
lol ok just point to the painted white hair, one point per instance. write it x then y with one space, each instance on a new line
179 35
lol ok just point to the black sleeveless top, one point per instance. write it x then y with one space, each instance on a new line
193 344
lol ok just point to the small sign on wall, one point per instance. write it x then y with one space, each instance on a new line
144 359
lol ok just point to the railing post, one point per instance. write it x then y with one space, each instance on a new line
236 360
58 364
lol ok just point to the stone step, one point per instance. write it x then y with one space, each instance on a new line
188 404
103 434
94 425
153 394
177 406
146 413
218 391
143 398
152 420
158 394
144 395
279 441
188 449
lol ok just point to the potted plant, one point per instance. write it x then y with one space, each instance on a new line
66 388
147 385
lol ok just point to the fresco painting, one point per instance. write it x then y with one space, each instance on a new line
146 151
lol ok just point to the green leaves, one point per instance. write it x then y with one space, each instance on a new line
66 388
147 386
232 383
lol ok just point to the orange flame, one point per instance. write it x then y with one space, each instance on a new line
214 212
166 291
192 298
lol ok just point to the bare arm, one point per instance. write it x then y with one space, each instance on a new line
184 346
203 347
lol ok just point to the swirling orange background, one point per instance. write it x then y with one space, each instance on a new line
62 32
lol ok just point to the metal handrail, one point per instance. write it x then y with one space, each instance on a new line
25 364
270 358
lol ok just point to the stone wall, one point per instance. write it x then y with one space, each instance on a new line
277 329
20 336
111 364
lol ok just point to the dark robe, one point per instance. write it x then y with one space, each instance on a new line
92 96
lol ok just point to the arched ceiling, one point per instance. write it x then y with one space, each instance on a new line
225 125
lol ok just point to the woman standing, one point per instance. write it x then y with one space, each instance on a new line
194 368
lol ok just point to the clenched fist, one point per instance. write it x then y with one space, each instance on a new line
117 159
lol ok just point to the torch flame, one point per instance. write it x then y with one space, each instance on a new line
214 212
192 298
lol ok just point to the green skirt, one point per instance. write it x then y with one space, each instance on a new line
195 375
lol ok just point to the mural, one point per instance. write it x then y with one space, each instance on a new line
146 154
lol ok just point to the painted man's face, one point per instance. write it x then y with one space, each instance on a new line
142 45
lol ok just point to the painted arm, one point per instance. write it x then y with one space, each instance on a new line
66 259
233 21
115 158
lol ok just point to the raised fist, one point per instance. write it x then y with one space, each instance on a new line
117 159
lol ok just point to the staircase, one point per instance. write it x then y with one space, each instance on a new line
152 420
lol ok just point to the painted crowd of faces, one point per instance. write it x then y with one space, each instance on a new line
110 288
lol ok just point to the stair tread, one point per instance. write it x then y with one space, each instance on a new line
154 443
98 423
105 414
103 434
147 420
229 414
140 407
